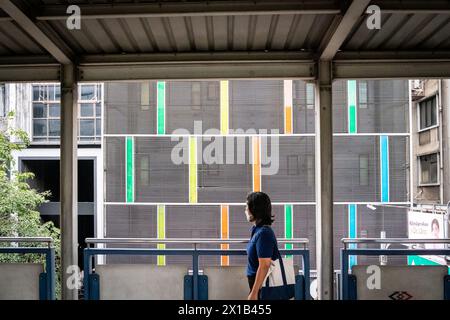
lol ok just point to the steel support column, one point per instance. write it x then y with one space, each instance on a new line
68 180
324 182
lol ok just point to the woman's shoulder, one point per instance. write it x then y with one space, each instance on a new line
266 231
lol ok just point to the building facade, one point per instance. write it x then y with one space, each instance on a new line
431 138
176 159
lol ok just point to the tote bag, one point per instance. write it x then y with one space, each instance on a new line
279 283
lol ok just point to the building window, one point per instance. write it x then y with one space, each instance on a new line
90 112
46 110
363 170
310 96
428 166
212 90
428 114
362 94
310 170
195 96
145 170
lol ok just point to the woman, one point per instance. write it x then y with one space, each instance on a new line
261 247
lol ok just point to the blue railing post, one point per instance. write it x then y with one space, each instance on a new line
306 272
195 258
344 274
86 273
50 270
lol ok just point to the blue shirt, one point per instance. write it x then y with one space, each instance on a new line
261 245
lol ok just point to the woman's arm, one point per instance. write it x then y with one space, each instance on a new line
263 268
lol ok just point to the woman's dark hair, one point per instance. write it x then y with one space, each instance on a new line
260 207
434 222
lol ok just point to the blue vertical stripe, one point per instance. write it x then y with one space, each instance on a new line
384 168
352 230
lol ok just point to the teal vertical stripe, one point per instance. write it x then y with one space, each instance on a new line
288 224
384 168
161 107
351 98
352 230
129 168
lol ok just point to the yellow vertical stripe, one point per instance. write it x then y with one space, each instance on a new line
256 164
224 233
192 170
161 225
288 119
224 107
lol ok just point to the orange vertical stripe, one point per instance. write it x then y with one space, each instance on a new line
288 119
224 230
256 164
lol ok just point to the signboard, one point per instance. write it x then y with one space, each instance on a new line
423 225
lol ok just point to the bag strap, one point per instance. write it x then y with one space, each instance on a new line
283 272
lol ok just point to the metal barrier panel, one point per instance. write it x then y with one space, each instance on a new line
227 283
20 281
400 282
141 282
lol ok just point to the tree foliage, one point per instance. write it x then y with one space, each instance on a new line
19 202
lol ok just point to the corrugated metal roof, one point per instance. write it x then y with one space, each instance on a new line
149 26
191 34
400 31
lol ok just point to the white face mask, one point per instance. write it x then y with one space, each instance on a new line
249 216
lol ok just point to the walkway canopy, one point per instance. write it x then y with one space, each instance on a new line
317 40
149 39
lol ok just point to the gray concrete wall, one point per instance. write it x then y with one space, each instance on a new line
420 282
141 282
227 283
19 281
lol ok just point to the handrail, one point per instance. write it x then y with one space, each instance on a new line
303 241
47 240
346 241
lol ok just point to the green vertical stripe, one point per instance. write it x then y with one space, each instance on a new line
129 169
161 107
161 222
351 98
288 225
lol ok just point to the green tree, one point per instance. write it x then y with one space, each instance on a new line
19 202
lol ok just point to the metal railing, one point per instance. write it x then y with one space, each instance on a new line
47 291
89 252
355 251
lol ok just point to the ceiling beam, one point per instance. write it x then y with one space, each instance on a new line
391 69
180 9
30 73
391 55
33 30
280 65
341 30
